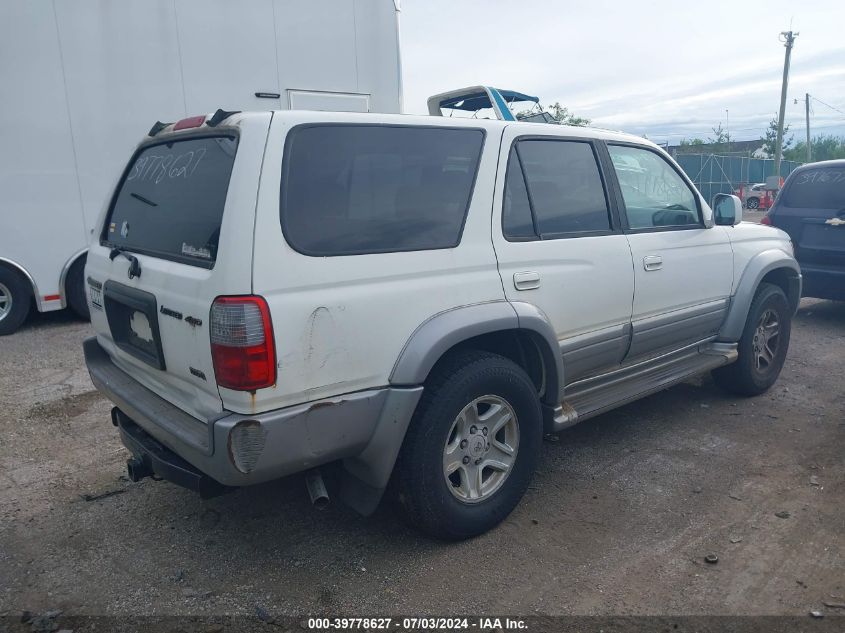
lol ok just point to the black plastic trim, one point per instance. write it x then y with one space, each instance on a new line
138 300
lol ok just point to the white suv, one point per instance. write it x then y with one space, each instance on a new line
411 299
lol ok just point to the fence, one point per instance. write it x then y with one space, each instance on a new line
714 174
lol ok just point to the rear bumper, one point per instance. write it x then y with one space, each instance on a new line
823 282
365 429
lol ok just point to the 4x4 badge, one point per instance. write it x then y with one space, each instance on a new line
835 221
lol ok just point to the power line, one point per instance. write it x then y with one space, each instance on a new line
827 104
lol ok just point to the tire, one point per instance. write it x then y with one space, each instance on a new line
753 203
75 289
464 392
757 368
15 300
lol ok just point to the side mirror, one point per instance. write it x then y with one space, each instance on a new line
727 209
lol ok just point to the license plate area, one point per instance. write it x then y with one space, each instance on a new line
133 321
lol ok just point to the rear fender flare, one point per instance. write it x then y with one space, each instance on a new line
444 330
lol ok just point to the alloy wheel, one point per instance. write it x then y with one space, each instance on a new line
766 339
5 301
481 449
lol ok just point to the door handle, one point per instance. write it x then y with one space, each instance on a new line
527 280
652 262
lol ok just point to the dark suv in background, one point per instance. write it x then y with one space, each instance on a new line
811 208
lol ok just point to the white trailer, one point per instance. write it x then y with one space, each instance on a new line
81 81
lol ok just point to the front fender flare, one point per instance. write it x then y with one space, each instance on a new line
759 266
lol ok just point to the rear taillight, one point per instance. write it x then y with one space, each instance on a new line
242 344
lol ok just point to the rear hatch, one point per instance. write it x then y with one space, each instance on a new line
811 208
177 234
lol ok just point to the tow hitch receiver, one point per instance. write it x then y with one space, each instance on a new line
150 458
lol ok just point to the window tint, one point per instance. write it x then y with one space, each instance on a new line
655 194
516 214
563 184
822 188
170 203
353 189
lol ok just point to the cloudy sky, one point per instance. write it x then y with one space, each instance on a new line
665 69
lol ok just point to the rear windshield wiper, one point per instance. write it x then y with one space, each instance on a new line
134 264
138 196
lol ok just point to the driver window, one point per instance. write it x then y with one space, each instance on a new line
655 195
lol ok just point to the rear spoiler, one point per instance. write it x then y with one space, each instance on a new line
216 119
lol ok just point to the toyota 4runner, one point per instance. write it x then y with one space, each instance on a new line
415 300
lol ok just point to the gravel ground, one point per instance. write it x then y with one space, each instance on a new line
619 517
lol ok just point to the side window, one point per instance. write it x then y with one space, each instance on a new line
517 222
552 188
655 195
356 189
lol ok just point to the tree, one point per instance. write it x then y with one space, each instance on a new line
564 116
720 140
770 140
824 147
691 146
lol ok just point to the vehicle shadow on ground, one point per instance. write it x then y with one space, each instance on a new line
821 312
261 520
42 320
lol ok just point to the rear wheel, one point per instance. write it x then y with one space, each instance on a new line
471 448
763 346
75 289
753 203
15 298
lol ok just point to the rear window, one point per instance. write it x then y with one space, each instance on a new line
820 188
355 189
170 202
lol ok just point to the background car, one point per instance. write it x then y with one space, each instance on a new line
754 196
811 208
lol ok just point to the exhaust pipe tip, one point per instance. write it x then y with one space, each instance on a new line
317 489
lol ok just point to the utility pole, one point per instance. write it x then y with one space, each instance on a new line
788 42
728 129
807 111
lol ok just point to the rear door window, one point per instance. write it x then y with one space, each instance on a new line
819 188
355 189
170 201
553 188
